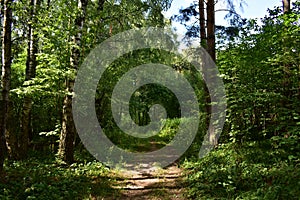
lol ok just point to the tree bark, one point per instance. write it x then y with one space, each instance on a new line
68 131
203 39
6 76
286 6
210 9
211 49
31 64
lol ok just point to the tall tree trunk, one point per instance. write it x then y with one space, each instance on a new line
211 49
31 64
68 132
203 39
210 9
6 76
286 5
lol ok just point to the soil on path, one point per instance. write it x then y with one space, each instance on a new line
150 184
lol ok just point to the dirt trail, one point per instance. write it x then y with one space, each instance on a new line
151 184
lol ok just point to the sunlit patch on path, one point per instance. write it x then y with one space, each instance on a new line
152 183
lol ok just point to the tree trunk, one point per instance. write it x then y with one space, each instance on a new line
31 64
68 132
6 76
203 39
210 9
286 5
211 49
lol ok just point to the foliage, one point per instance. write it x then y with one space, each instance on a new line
258 154
255 170
54 27
261 74
189 17
144 98
258 157
43 177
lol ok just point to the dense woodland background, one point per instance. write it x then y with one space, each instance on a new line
45 42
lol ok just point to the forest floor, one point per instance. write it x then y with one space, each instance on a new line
147 181
43 176
49 179
150 184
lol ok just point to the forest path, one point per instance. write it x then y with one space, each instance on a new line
150 184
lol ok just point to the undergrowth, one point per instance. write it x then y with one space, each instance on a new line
253 170
44 177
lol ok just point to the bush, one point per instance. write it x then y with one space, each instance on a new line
251 171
